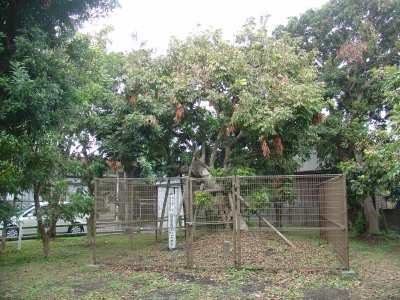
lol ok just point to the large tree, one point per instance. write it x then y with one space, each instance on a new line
209 103
135 129
53 17
243 103
97 77
352 37
38 88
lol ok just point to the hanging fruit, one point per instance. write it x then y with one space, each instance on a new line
179 112
278 144
46 3
235 107
318 118
230 129
114 165
264 147
132 100
151 120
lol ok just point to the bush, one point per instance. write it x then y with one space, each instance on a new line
203 199
360 224
259 199
6 211
240 171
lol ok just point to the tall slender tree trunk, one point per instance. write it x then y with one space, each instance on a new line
90 228
372 216
90 220
227 157
39 217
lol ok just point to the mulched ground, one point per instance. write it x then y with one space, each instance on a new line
271 264
260 251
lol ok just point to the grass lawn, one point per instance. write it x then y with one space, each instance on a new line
132 269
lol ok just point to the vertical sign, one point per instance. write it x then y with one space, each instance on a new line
172 221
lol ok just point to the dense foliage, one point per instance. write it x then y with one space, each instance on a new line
355 41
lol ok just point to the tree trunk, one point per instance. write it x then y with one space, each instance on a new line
46 246
371 215
214 148
90 228
203 153
213 156
90 220
227 157
41 226
52 231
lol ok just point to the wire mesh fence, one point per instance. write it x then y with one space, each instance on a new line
140 210
211 240
219 222
298 206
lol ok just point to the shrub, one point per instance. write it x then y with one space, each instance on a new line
202 199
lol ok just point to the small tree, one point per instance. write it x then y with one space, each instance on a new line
6 212
10 178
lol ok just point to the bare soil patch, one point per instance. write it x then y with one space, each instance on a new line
327 294
84 288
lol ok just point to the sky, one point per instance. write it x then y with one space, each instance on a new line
155 21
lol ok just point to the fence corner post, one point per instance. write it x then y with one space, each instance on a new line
345 223
238 251
189 224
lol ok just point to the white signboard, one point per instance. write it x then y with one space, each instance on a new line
172 212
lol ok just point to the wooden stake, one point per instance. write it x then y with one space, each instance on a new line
183 203
234 231
236 187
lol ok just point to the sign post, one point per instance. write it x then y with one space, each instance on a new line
172 212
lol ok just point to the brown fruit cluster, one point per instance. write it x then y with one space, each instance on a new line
179 112
264 147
